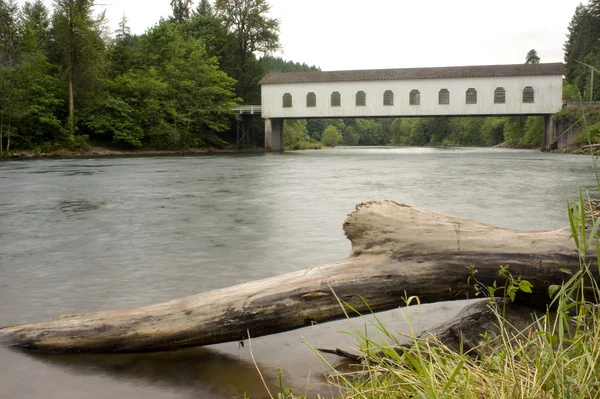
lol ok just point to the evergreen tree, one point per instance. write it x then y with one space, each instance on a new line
182 10
205 8
581 47
9 43
124 50
79 44
37 19
38 83
532 57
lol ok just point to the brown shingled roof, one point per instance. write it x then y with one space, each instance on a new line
482 71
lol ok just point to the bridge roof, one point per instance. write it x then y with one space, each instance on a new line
481 71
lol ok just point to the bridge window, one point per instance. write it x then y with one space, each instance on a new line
361 99
287 100
388 97
444 97
499 95
471 96
336 99
414 97
311 99
528 94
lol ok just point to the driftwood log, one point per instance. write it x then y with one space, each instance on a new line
397 251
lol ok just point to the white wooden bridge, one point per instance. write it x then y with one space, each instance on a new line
493 90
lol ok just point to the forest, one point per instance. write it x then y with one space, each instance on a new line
68 82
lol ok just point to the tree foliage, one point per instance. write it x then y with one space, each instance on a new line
62 80
532 57
582 52
331 137
77 38
254 32
182 10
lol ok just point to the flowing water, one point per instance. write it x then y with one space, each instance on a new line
81 235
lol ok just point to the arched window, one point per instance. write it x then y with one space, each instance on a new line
528 94
499 95
361 99
311 99
444 97
471 96
388 97
287 100
414 97
336 99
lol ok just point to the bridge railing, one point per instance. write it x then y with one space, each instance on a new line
248 109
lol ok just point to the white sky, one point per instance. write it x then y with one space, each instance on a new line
372 34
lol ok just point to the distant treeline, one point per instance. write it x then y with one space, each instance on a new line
522 132
66 81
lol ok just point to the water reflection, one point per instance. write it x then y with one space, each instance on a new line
198 370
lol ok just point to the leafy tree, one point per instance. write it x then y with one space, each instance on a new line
492 130
570 92
254 32
532 57
514 129
351 137
533 132
170 94
465 131
219 42
371 131
331 137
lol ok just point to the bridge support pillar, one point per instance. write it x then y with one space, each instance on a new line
274 134
549 141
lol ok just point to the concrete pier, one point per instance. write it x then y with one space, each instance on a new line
549 142
274 134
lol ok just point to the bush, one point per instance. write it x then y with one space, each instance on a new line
331 137
78 142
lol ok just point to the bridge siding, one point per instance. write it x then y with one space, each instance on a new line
548 97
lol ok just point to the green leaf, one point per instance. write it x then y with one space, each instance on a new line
553 289
566 271
525 286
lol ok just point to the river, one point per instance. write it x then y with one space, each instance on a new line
81 235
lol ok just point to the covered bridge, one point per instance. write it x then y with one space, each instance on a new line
490 90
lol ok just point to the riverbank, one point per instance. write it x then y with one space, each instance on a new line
97 151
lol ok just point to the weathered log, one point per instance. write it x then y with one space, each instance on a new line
397 250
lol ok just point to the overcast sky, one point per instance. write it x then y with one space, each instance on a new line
372 34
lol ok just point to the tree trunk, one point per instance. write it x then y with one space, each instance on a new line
397 251
10 110
8 134
1 132
71 104
2 116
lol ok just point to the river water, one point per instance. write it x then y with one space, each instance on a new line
81 235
